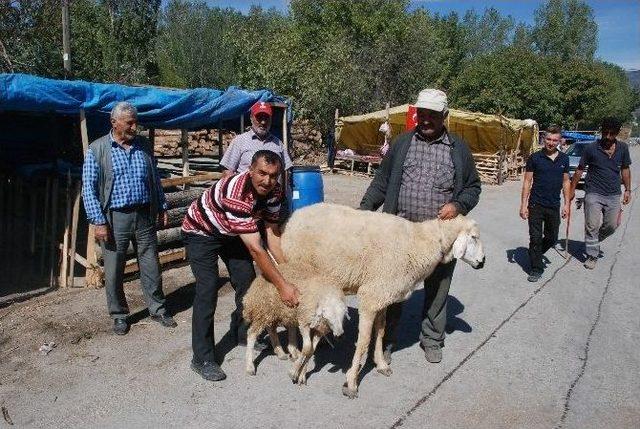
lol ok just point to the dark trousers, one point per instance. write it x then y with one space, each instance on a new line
203 252
137 226
544 223
434 310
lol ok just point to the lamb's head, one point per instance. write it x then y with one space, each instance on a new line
331 309
467 245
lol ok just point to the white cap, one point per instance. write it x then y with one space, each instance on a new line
432 99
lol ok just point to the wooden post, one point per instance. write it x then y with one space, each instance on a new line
74 232
54 231
242 123
45 225
285 133
92 276
152 137
32 221
66 39
220 150
64 264
184 144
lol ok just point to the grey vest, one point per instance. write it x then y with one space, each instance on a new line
101 149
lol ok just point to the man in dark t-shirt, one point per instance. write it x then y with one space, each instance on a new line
547 172
608 163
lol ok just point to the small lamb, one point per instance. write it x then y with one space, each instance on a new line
321 310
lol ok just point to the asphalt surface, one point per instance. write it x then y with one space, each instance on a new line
560 353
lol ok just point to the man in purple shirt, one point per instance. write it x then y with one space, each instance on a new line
237 158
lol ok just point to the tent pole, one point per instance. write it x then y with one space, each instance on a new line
54 231
74 233
45 224
184 144
220 151
64 266
92 260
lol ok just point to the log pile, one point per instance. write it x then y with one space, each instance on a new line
202 142
307 144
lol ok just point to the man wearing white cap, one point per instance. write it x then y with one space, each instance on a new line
427 174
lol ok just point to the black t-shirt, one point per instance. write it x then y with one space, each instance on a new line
547 178
603 176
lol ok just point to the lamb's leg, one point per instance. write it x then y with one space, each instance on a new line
252 334
302 378
382 366
292 347
275 343
364 337
307 345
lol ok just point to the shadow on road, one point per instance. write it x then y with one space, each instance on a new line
520 255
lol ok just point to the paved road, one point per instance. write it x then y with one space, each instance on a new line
564 352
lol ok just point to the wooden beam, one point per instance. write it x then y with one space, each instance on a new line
285 134
176 181
64 264
74 231
184 144
54 232
175 255
93 275
220 149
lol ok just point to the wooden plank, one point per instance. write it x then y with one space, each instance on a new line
184 144
64 263
45 224
220 148
74 231
93 275
176 181
175 255
54 231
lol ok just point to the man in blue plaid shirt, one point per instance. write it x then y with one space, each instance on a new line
124 200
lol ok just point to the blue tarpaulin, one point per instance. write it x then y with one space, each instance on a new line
157 107
573 135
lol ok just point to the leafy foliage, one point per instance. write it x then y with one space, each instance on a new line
349 55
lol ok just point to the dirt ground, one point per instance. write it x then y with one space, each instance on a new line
71 317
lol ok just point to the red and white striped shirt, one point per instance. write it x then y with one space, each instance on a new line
231 207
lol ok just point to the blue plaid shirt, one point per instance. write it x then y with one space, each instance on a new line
129 182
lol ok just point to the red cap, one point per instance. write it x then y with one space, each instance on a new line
261 107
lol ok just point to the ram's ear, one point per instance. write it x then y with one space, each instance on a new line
460 245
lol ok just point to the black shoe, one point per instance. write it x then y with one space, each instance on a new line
534 276
120 326
164 320
208 370
433 354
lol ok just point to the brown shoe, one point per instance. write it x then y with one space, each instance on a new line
590 263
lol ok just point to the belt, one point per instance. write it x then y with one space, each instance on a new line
131 208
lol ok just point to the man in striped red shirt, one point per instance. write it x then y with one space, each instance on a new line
226 221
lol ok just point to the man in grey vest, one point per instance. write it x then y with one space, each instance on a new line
123 198
427 174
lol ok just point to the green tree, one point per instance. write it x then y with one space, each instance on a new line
513 82
565 28
191 46
486 33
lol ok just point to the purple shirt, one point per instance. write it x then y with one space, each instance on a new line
238 157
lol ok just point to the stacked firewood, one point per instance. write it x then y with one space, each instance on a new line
307 144
202 142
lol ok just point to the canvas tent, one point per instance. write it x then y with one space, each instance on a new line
497 142
484 133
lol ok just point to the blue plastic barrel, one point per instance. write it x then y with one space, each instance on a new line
306 187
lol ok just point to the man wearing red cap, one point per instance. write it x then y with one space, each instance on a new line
237 159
